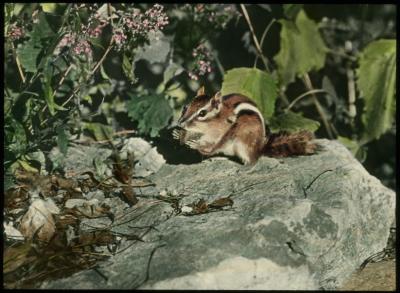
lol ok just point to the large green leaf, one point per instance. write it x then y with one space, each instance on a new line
301 50
128 66
28 54
153 113
292 122
29 51
376 80
48 90
254 83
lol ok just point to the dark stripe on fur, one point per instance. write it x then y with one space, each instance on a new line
247 100
227 97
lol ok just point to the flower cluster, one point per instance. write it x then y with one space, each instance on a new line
119 37
15 32
133 24
138 25
216 14
202 56
79 43
82 47
96 31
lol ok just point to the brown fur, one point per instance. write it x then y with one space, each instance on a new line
246 130
240 135
283 144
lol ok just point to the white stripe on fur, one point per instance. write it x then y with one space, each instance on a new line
250 107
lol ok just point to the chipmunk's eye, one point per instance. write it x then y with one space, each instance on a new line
184 109
202 113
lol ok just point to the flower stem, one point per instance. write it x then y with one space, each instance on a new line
246 16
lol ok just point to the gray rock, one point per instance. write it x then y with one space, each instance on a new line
296 223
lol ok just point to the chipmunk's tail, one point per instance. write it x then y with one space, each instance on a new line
285 144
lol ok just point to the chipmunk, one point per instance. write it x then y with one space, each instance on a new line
233 125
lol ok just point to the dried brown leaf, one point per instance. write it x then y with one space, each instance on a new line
38 220
221 202
16 257
200 207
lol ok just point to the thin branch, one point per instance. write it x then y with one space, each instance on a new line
102 58
59 83
341 54
64 76
329 127
263 38
352 92
246 16
304 95
21 72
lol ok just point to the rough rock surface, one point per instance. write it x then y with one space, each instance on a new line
296 223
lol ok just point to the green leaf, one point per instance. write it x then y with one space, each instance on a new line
48 7
171 71
103 73
351 145
16 140
291 10
358 150
100 131
28 54
47 89
29 51
41 29
152 112
62 139
157 49
292 122
254 83
27 167
37 158
376 80
128 68
301 49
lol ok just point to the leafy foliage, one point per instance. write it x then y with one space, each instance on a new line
152 112
254 83
74 69
301 48
377 83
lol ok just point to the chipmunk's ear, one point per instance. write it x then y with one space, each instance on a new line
216 100
201 91
218 96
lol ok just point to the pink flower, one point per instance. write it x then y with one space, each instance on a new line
15 32
82 47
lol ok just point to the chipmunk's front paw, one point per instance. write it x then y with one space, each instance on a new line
193 144
176 134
